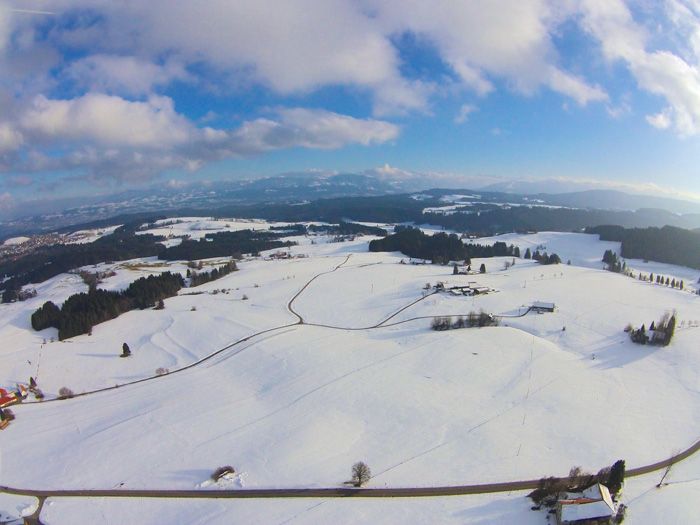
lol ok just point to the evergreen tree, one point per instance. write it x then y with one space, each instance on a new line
482 268
528 254
617 477
670 330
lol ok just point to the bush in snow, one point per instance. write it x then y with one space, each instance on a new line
65 393
221 472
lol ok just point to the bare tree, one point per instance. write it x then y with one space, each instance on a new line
360 473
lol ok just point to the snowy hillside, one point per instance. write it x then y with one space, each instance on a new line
363 378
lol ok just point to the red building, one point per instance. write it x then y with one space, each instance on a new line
7 398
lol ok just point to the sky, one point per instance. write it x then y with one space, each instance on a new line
98 96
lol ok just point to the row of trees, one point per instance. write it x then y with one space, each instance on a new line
660 333
660 279
197 278
472 320
614 264
80 312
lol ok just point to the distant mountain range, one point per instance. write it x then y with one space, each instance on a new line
294 188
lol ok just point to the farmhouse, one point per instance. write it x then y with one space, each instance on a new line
588 506
7 398
539 306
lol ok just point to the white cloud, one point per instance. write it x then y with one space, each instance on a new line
659 72
299 46
123 74
108 120
575 88
507 39
10 138
660 120
464 112
114 137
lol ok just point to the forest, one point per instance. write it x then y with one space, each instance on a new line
439 248
80 312
667 245
224 244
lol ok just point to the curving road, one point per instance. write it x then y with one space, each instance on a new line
332 492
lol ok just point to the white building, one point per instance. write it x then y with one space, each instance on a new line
578 507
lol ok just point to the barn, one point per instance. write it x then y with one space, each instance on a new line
589 506
540 306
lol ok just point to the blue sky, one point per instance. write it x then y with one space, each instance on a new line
99 97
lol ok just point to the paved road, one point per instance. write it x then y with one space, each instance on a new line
290 304
334 492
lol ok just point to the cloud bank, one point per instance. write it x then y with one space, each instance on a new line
88 88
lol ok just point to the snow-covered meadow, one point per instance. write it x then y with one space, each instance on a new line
296 406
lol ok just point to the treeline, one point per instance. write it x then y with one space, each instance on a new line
542 258
347 228
659 334
440 248
197 278
491 219
668 244
80 312
50 261
225 244
472 320
124 244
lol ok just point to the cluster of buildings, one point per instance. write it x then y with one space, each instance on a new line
9 398
469 289
13 248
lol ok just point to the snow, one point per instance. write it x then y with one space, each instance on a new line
587 250
198 227
297 406
14 508
88 236
15 240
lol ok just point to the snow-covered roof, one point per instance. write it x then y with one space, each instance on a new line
594 502
542 304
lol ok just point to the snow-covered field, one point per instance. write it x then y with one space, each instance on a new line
297 406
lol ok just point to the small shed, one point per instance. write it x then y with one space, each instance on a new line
541 306
594 503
